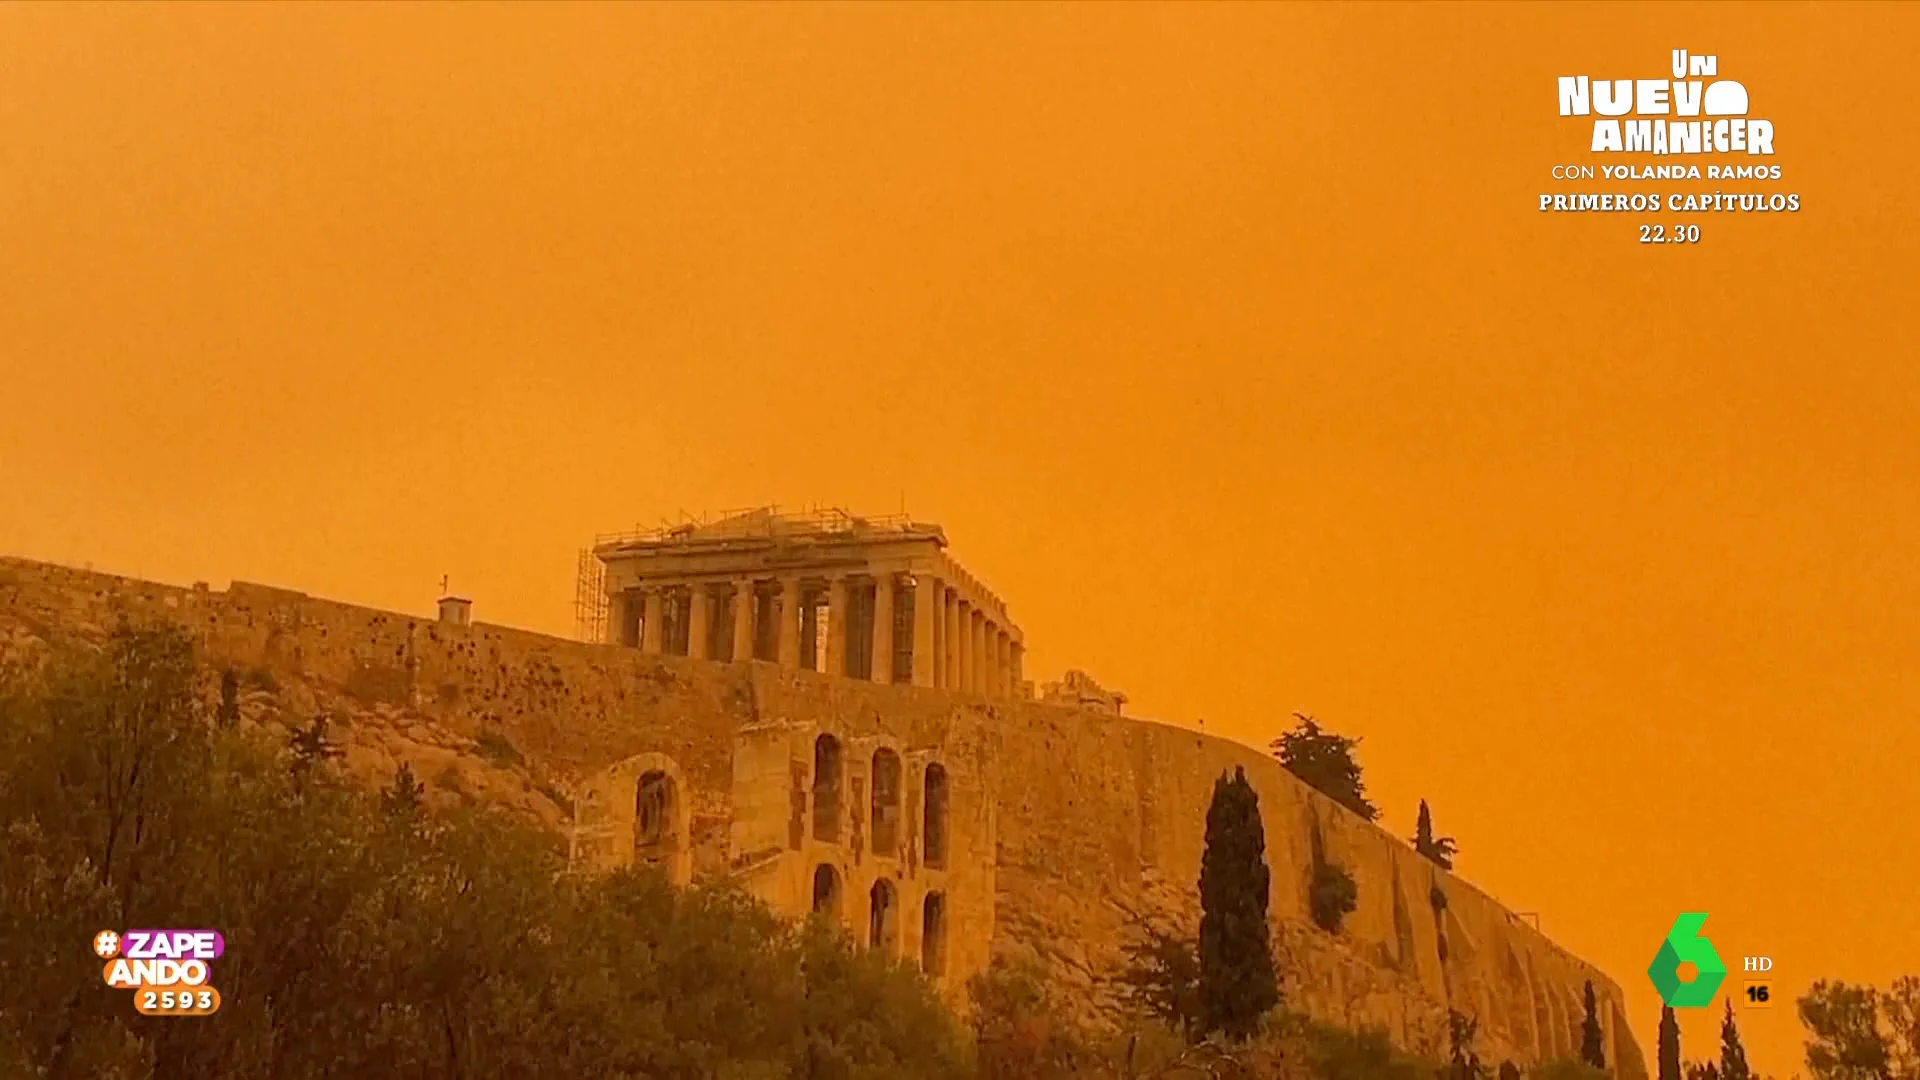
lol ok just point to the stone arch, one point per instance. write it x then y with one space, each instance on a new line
933 818
828 774
883 917
638 811
885 811
933 935
826 891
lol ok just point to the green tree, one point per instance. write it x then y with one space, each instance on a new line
1669 1045
1462 1056
1733 1055
1900 1007
1563 1069
1592 1049
1237 981
1440 851
1326 762
1331 894
406 795
1844 1041
312 748
229 712
365 943
1702 1070
1162 979
1018 1032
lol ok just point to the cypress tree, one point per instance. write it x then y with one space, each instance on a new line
1440 851
1237 982
229 711
1669 1044
406 795
1733 1056
1591 1050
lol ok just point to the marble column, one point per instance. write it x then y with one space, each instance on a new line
926 617
882 669
790 622
1003 672
969 653
743 603
699 620
982 659
650 628
616 618
950 643
982 653
837 625
990 671
1016 653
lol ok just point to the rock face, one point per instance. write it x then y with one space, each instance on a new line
944 827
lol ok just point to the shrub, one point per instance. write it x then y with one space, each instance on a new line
1568 1069
1019 1033
497 748
1333 896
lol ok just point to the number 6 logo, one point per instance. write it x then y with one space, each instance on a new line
1684 945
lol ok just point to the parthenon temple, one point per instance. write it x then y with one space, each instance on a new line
874 598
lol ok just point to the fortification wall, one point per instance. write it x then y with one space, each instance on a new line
1068 828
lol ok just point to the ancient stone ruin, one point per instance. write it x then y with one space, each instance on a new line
899 782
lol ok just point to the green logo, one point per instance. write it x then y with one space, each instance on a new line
1685 945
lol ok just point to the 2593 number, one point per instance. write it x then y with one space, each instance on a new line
204 1001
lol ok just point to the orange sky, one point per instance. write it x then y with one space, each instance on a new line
1226 343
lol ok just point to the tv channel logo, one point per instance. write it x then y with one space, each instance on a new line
1684 944
167 970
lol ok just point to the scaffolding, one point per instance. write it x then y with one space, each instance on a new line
590 598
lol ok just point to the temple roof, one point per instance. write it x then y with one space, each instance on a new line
769 522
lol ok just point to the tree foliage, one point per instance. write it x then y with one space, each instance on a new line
1161 979
406 795
1332 895
1900 1009
1326 762
1020 1032
1844 1040
1237 983
1733 1054
1669 1053
1702 1070
1463 1056
1440 851
1592 1049
362 941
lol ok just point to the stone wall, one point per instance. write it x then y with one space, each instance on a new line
1068 828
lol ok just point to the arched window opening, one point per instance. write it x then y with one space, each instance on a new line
933 935
826 789
826 890
883 921
886 801
934 819
655 806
